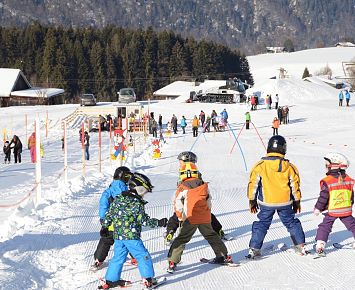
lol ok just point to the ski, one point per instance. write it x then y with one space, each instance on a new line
95 268
126 285
317 255
343 246
266 251
227 238
159 281
210 261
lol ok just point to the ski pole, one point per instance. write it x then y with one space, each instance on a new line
240 148
237 138
259 135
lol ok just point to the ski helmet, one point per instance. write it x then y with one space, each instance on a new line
188 170
277 144
140 184
187 156
335 160
122 173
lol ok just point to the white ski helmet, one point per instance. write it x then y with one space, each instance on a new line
335 160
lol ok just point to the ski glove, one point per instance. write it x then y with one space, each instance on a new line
253 206
296 205
101 221
162 222
104 232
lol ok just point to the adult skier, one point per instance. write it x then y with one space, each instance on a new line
128 217
202 117
336 196
174 223
118 185
193 208
16 145
274 186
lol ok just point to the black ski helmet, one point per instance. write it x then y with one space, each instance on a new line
187 156
140 183
122 173
277 144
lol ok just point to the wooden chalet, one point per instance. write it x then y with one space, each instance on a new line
15 90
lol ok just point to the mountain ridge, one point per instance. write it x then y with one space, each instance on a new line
247 25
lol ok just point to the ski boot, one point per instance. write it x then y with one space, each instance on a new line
253 254
171 267
320 248
109 284
96 266
149 282
227 259
301 250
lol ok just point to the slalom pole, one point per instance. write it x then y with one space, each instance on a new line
82 147
38 160
47 124
237 138
195 142
65 154
259 136
240 148
100 149
110 145
26 125
203 131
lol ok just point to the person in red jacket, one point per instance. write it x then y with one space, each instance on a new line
193 208
336 196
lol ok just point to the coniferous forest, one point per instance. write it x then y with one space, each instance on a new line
101 61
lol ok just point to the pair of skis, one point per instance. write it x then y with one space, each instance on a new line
159 282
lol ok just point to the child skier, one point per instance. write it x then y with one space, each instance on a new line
275 126
193 208
128 216
174 223
7 152
247 120
336 195
274 184
118 185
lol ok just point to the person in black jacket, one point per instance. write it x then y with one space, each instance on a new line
7 152
16 144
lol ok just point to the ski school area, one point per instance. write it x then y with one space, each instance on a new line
49 223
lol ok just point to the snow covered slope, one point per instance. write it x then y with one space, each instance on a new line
265 66
52 246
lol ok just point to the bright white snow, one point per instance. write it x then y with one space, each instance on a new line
51 246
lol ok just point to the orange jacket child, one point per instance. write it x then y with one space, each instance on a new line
276 123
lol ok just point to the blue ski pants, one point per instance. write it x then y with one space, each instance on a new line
120 252
287 217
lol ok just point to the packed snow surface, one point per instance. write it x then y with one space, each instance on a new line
51 245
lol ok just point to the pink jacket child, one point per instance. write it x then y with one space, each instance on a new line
32 146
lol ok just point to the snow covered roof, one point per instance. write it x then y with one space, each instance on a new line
8 79
177 88
345 44
209 84
38 92
14 83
